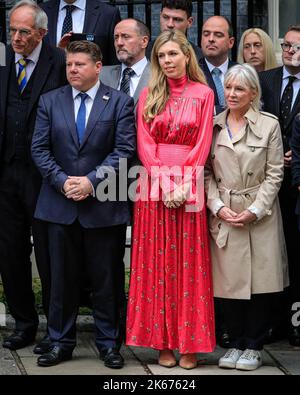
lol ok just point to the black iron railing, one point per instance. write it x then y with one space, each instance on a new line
130 6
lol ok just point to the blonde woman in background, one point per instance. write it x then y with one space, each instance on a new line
256 48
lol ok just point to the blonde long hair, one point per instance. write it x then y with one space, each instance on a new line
270 57
158 92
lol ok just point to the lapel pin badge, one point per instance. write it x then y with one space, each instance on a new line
105 97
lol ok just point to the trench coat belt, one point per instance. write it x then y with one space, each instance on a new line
226 198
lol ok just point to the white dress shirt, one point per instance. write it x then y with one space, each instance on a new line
33 59
223 68
138 69
89 101
78 16
296 84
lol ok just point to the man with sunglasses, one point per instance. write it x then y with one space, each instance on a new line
281 97
32 68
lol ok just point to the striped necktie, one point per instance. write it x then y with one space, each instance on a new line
125 83
216 74
22 80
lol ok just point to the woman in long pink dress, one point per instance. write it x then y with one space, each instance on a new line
170 303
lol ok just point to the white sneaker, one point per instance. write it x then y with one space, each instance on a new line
230 359
249 360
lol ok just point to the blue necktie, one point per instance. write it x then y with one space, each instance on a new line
216 74
81 116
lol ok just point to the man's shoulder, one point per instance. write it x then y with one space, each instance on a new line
54 93
103 7
269 74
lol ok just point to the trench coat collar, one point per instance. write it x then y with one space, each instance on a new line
251 115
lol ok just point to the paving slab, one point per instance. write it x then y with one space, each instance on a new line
85 361
287 356
207 364
8 365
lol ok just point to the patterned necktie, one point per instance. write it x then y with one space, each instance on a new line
216 74
68 22
81 117
22 80
286 102
125 83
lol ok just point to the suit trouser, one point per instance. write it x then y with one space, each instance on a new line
248 321
19 187
71 248
288 200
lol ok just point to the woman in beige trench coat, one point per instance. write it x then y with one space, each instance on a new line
243 178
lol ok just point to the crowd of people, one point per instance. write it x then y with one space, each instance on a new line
85 96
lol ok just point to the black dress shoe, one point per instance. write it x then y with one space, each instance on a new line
17 340
224 340
54 357
294 337
43 346
112 358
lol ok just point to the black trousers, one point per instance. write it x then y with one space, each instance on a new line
288 200
248 321
19 188
73 248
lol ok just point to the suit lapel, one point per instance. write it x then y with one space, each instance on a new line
92 14
277 89
41 73
142 83
100 102
115 76
5 72
66 106
52 20
209 79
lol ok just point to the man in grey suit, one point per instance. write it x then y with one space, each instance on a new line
131 38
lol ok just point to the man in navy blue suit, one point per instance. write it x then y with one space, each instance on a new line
92 17
82 131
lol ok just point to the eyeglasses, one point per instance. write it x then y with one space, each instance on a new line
287 47
22 32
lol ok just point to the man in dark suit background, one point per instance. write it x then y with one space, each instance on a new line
82 132
83 16
281 97
216 42
32 67
176 14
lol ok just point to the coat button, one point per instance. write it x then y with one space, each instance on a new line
250 173
247 196
213 156
252 149
219 179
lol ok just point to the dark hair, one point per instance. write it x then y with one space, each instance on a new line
87 47
185 5
143 29
294 28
